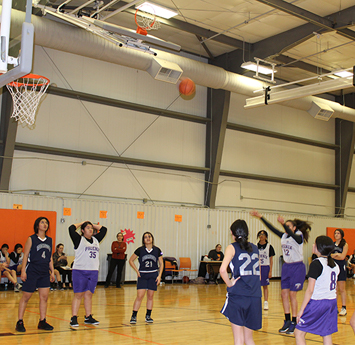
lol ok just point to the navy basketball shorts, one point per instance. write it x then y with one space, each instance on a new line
264 273
293 276
243 311
35 280
342 272
84 280
147 281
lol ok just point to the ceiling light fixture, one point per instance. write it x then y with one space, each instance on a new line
157 10
343 73
267 68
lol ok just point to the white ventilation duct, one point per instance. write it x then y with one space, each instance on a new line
74 40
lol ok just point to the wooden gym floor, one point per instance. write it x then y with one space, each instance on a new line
183 314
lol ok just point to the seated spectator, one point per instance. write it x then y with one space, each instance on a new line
216 254
351 263
16 258
5 271
60 261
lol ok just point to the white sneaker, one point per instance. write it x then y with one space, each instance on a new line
342 311
266 305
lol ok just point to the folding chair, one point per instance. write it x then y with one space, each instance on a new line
185 266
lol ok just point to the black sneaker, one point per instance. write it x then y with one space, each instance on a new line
89 320
74 322
148 319
291 329
20 327
133 320
43 324
285 327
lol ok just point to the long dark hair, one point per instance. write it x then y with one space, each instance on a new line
302 226
147 232
36 224
325 246
342 242
241 232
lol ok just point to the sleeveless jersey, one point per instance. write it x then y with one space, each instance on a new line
341 263
19 262
40 254
326 283
292 251
87 255
2 258
148 259
264 255
246 266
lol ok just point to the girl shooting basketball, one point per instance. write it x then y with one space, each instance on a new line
293 270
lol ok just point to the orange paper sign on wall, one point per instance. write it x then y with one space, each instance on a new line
178 218
140 215
17 206
66 211
103 214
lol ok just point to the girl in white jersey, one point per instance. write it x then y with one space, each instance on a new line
293 271
86 268
318 313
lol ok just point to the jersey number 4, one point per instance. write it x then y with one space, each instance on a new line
254 270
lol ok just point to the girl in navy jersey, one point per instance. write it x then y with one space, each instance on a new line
293 271
6 269
86 268
16 258
149 274
340 251
243 303
318 313
37 261
266 253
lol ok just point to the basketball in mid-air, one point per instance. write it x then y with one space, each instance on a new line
187 87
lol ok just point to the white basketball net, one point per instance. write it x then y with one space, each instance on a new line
147 21
26 93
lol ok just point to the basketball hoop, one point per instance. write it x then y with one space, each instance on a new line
26 93
146 20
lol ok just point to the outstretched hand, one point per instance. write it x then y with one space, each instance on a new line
281 220
255 213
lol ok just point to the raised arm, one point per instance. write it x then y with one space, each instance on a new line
257 214
75 237
100 235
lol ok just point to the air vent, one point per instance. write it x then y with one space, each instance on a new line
321 111
165 71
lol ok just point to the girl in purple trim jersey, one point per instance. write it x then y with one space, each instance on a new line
318 313
293 271
86 268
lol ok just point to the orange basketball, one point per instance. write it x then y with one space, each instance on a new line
187 87
185 279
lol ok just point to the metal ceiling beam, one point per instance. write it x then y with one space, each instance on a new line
218 102
345 137
8 130
300 64
82 96
204 46
107 158
299 12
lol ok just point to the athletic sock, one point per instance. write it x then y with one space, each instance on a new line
288 317
134 313
294 319
149 312
343 306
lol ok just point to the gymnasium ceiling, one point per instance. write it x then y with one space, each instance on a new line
305 38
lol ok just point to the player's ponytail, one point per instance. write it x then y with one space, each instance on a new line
240 231
325 246
302 226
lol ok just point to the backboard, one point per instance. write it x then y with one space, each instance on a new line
16 43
